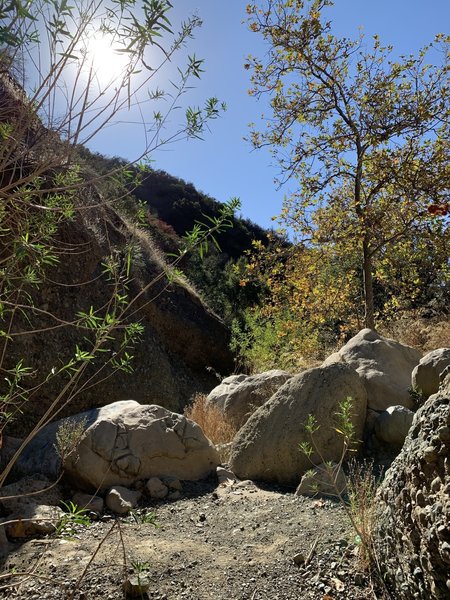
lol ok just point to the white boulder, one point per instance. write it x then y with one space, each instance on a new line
385 366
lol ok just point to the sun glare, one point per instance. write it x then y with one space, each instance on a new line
108 64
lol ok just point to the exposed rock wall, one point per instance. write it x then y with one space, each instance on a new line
412 532
181 339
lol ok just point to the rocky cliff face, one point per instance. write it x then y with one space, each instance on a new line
182 344
412 535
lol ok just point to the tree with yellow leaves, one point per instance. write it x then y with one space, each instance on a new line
365 136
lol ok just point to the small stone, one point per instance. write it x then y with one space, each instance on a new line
299 558
173 483
120 500
436 484
89 502
176 495
136 586
225 476
444 434
430 454
156 488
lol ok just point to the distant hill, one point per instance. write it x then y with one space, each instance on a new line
174 207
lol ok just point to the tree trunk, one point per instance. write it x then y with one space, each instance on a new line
369 319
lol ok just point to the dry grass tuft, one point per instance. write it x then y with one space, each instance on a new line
211 419
420 333
362 486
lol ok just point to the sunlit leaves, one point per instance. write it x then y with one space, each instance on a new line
364 135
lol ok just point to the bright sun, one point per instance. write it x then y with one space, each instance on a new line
108 64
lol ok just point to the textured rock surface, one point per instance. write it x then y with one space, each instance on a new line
126 443
181 337
240 395
425 377
266 448
412 534
33 520
384 365
40 456
393 424
220 393
35 488
120 500
155 488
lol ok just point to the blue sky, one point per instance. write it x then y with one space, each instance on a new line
224 165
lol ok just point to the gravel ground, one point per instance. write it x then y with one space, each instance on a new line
239 541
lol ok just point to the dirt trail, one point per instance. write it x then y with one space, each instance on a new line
238 542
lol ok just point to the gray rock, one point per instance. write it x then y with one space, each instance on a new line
89 502
240 395
156 488
384 365
120 500
267 446
41 456
412 507
33 520
393 424
123 443
425 377
137 585
323 480
173 483
217 397
225 476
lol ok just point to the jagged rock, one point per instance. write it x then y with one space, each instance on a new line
384 365
121 444
156 489
240 395
41 454
412 507
425 377
120 500
127 442
324 480
267 446
393 424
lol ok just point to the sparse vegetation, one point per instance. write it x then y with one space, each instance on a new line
72 519
212 421
357 498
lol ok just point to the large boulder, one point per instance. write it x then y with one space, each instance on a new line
122 443
139 443
240 395
425 377
267 446
412 507
384 365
